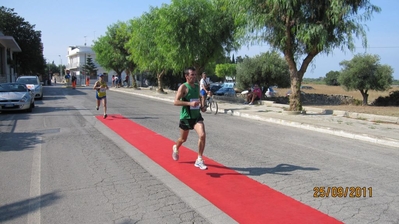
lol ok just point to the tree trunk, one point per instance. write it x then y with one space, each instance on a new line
134 81
365 97
199 69
160 84
295 96
132 78
296 77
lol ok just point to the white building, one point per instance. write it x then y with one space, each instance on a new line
76 60
8 46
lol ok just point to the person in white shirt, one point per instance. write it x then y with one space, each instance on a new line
204 88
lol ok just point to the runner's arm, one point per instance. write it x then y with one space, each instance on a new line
181 92
96 87
202 107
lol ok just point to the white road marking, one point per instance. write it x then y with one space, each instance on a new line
34 204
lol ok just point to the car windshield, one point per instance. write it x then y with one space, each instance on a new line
12 88
224 89
228 85
28 81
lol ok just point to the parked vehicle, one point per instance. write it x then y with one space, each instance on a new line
33 83
215 87
270 92
306 87
229 84
16 96
226 91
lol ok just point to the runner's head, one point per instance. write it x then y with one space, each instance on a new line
190 74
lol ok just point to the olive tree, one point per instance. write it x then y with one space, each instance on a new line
364 72
226 70
302 29
331 78
265 69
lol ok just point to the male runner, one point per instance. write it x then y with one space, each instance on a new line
187 97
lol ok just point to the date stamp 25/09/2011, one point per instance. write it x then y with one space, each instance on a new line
342 192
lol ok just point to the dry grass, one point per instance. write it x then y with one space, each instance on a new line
338 90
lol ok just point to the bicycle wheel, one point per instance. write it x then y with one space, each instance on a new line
213 106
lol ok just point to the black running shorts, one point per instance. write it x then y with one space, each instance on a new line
188 124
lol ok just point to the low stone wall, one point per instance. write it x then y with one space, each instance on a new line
307 99
323 99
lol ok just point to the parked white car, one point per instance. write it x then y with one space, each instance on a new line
33 83
16 96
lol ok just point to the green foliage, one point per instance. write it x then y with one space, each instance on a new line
110 50
224 70
357 102
391 100
90 67
184 33
193 33
364 72
52 68
266 69
332 78
30 60
143 43
302 29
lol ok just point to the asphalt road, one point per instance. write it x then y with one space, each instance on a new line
59 165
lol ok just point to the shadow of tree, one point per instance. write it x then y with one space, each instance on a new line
20 208
281 169
18 141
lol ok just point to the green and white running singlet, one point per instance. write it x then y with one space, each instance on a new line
188 112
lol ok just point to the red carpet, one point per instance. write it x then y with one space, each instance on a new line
242 198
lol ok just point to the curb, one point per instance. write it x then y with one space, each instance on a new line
326 130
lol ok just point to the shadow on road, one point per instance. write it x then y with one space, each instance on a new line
20 208
281 169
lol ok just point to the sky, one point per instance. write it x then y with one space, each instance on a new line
76 22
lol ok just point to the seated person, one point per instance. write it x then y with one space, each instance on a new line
255 94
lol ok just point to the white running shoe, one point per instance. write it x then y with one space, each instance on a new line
200 164
175 154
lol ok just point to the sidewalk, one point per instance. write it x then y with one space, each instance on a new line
365 127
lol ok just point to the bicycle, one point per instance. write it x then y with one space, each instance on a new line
212 104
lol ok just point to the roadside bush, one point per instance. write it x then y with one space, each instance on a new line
391 100
357 102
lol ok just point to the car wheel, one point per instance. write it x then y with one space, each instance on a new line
32 105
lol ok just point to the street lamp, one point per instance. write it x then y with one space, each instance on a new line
60 66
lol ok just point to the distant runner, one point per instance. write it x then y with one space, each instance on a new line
101 93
